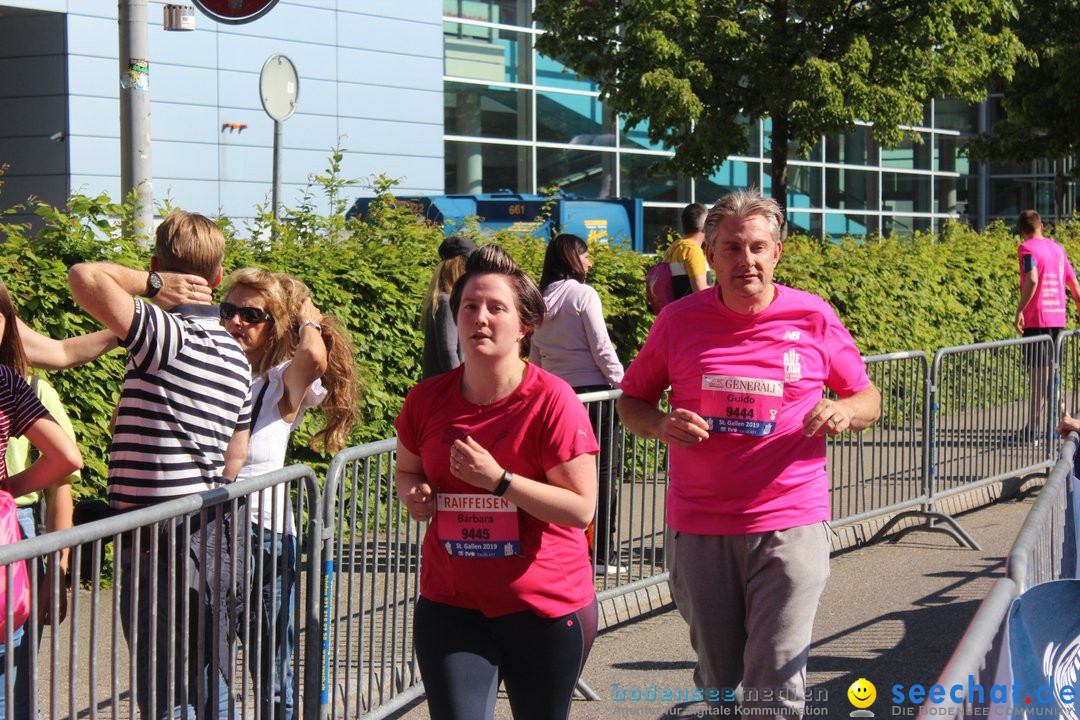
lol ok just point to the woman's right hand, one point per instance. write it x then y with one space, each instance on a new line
419 499
413 488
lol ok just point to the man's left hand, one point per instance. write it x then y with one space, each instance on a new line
180 289
827 418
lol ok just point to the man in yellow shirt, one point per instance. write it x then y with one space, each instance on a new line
687 260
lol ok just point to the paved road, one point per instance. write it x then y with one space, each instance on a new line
891 613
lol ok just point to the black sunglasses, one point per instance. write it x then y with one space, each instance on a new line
250 315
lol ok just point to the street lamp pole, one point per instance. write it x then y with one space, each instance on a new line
135 166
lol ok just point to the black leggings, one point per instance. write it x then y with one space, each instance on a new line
463 655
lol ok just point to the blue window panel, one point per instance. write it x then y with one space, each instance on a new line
99 77
798 220
193 86
393 35
183 123
574 119
184 159
554 74
94 155
804 186
378 102
93 36
804 224
838 226
732 175
410 71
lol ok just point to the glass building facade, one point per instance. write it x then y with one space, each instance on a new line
519 121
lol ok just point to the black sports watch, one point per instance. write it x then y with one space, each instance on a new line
153 285
504 484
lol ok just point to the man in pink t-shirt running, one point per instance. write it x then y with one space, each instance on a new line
747 506
1045 272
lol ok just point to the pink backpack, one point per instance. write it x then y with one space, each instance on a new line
659 286
19 594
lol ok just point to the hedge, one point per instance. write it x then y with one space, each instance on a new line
925 292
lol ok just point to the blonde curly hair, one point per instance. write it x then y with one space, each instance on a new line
283 295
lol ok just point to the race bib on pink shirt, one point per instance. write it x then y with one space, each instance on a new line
477 526
744 405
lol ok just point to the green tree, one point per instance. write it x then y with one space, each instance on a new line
1041 103
697 70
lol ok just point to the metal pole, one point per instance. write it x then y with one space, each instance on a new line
276 191
135 167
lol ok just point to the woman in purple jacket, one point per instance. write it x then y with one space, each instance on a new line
573 343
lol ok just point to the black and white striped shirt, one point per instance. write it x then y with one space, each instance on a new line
186 391
19 409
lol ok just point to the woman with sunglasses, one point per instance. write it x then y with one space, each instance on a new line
499 455
299 359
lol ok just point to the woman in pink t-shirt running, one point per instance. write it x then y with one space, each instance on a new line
499 456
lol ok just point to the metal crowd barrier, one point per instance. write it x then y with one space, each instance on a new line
372 568
991 410
881 469
994 412
1047 538
1044 549
89 665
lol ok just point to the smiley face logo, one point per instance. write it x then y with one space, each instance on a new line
862 693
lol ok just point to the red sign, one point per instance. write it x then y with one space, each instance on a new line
235 12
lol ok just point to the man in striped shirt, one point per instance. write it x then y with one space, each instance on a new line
181 428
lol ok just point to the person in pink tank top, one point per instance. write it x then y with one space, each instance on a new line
747 541
1045 272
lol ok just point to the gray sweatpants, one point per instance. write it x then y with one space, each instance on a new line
750 602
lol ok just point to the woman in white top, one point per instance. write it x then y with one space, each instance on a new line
573 343
299 360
